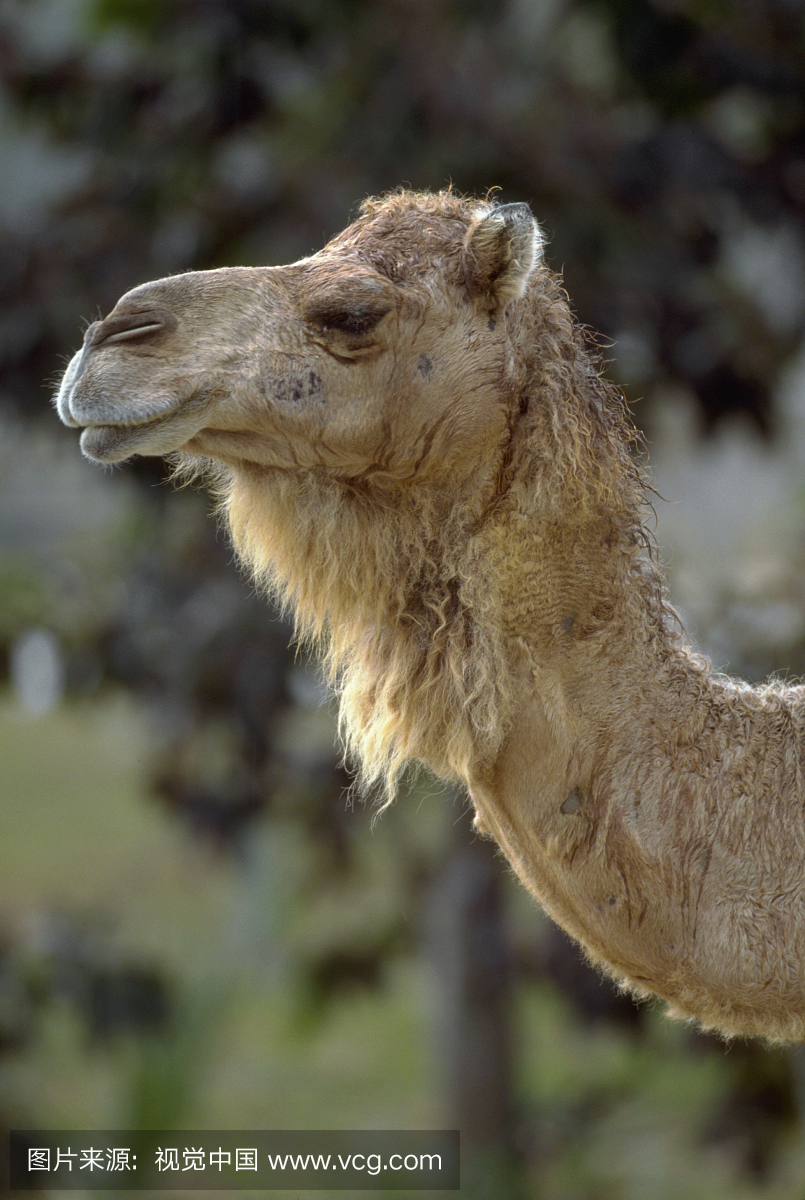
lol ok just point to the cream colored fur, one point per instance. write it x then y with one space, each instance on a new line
414 450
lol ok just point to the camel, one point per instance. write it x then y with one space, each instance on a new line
414 448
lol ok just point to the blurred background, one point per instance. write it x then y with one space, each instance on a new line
197 930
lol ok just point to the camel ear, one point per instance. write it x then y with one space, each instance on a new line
501 250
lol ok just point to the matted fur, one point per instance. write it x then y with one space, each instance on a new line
415 452
392 607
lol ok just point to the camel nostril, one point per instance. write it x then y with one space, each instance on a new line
128 335
130 327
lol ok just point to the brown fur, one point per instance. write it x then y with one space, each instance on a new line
415 451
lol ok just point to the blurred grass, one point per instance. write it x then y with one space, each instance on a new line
645 1105
80 835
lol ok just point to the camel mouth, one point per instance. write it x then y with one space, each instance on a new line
152 436
114 441
87 414
117 426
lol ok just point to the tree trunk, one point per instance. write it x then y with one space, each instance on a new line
473 982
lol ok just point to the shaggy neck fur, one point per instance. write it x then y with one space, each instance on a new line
384 587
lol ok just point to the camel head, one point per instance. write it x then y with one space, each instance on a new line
382 356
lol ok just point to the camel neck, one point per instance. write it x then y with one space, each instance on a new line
647 802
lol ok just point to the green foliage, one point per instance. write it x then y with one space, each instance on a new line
144 17
165 1070
24 597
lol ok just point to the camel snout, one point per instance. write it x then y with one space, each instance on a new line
84 401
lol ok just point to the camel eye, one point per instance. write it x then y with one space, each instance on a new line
356 320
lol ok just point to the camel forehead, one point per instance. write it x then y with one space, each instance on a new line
408 235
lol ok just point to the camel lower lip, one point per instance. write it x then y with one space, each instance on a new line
109 443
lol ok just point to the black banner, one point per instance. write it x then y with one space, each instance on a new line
167 1160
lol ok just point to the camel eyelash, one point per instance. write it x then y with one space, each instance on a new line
355 321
